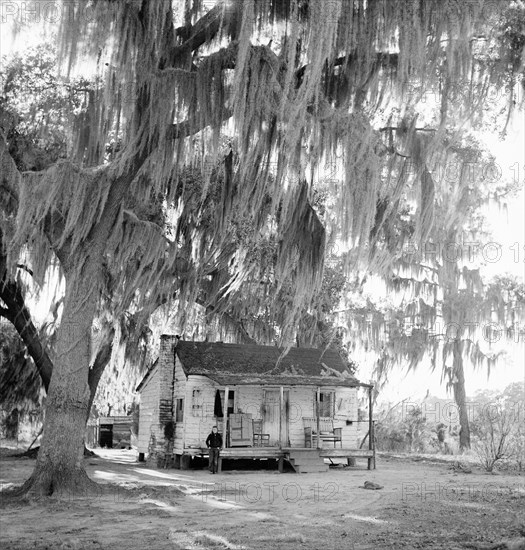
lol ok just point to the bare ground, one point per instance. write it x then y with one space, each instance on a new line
422 504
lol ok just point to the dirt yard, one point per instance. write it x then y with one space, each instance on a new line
421 505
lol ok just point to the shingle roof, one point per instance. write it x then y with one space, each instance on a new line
277 380
252 364
147 375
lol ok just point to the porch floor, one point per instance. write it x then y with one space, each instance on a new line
234 453
240 452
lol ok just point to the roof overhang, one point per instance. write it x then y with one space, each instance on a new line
147 375
276 380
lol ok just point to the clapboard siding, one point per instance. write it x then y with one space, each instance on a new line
346 409
179 392
198 412
248 399
301 404
198 393
149 410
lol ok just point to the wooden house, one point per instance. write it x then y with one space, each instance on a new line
300 407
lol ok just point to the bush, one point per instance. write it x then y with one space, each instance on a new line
493 427
408 432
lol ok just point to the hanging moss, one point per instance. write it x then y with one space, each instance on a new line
292 86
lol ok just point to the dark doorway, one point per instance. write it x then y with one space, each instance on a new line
105 438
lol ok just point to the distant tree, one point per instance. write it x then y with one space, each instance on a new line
439 302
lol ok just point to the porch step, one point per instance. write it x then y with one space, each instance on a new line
306 461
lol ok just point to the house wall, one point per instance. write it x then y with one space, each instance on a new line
198 412
199 418
149 410
180 391
249 400
302 403
346 409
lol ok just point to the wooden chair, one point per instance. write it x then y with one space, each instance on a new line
327 432
260 439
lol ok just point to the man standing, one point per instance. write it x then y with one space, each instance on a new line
214 444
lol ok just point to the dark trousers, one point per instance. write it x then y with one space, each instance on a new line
213 459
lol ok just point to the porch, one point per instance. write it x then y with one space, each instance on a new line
307 424
287 416
296 456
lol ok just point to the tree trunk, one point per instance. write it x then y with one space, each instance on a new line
59 465
95 374
456 318
460 395
99 366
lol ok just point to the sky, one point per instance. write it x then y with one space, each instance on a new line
508 228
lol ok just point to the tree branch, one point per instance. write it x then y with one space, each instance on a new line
383 60
9 179
190 127
222 16
236 323
397 128
228 55
25 268
18 314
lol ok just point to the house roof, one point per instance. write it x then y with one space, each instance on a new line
147 375
247 364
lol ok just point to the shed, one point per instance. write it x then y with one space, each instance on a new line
110 431
300 406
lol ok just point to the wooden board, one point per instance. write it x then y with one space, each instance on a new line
241 430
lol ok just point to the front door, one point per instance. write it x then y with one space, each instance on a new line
271 423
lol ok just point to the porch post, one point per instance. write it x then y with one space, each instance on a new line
281 402
317 402
225 413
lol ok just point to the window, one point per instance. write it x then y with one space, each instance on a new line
217 407
326 404
197 402
179 410
220 404
231 401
